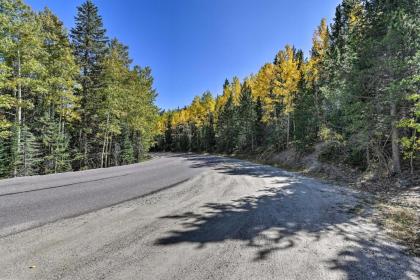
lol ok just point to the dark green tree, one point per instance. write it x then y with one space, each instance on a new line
246 120
168 134
5 158
127 151
209 134
27 159
259 124
90 47
227 131
54 147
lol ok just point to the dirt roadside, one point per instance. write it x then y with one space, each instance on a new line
238 220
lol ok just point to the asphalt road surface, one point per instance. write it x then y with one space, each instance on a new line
191 217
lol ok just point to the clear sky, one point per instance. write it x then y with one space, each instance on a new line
193 45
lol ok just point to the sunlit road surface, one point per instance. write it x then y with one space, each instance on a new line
181 216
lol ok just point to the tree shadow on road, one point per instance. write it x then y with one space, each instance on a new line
287 211
232 166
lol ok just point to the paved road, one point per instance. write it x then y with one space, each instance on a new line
230 220
32 201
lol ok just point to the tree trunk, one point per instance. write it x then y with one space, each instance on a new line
25 165
85 157
80 148
19 109
318 111
413 151
368 155
139 147
288 130
105 141
108 150
252 142
396 166
103 150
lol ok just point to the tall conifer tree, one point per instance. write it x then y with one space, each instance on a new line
90 47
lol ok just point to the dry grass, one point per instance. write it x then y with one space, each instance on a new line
403 224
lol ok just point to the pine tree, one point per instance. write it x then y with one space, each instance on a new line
227 133
195 138
259 124
27 158
54 147
247 118
338 67
411 141
306 120
90 47
5 158
127 151
236 90
378 76
222 99
209 134
168 134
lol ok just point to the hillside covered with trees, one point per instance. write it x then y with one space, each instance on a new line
357 92
69 101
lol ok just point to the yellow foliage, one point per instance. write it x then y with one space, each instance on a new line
222 99
234 89
262 86
161 123
197 112
355 14
318 53
288 76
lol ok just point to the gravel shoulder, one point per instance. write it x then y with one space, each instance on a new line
234 220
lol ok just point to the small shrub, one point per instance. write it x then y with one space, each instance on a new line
356 158
331 152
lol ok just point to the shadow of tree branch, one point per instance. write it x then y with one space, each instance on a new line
273 220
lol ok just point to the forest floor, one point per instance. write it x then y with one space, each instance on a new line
396 201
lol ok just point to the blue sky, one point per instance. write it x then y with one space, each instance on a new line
193 45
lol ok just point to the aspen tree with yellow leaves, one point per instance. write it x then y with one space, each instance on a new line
286 82
315 67
262 87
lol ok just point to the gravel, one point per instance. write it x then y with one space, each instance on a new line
230 219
